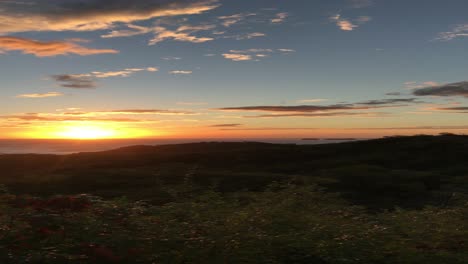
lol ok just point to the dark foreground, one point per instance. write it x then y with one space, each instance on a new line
392 200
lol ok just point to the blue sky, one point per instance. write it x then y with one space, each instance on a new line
207 68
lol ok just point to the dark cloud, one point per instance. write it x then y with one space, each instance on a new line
460 108
451 89
390 101
75 81
330 114
371 104
297 108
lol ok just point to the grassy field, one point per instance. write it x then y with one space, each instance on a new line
391 200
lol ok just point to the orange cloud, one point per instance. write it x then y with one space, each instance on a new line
40 95
48 49
93 15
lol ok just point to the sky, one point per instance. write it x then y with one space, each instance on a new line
93 69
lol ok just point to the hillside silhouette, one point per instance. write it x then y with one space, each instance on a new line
412 171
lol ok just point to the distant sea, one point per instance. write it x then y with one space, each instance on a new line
58 146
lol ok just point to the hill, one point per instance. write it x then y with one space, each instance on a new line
397 171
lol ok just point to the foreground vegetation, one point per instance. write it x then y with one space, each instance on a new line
284 224
393 200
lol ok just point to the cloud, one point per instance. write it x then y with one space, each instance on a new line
40 95
343 24
246 36
280 18
324 110
161 33
183 33
363 19
78 115
228 21
451 89
88 80
152 69
74 81
237 57
347 24
146 112
252 51
57 118
268 128
464 109
458 31
286 50
417 85
92 15
317 115
296 109
251 54
181 72
171 58
226 125
133 30
122 73
48 49
389 101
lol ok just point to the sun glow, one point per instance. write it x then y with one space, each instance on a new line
87 132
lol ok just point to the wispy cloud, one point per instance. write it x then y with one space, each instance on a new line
183 33
171 58
88 80
253 54
40 95
321 115
133 30
457 31
417 85
325 110
349 24
450 89
279 18
246 36
146 112
228 21
40 117
237 57
48 49
181 72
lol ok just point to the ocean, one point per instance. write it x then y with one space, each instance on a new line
60 146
